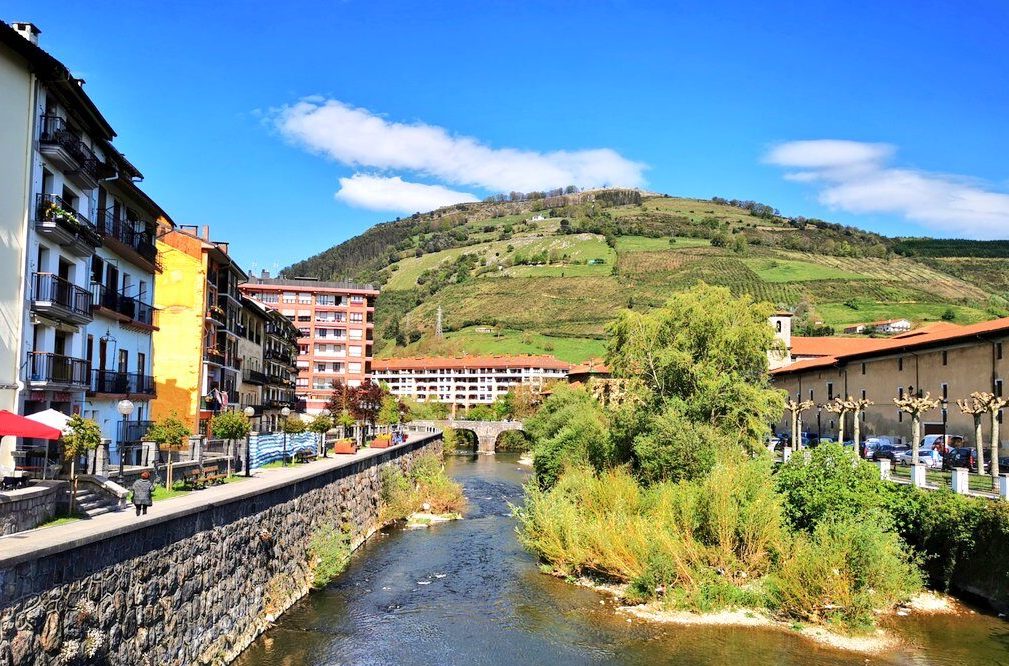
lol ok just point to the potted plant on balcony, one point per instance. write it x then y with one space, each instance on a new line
53 211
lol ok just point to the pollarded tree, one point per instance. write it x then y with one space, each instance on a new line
857 406
916 406
840 407
993 404
976 409
795 409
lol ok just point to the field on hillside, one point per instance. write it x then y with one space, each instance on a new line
549 274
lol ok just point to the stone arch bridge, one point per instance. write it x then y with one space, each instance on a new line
487 432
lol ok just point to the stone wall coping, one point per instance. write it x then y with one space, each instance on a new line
37 489
34 544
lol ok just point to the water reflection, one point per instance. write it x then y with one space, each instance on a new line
466 593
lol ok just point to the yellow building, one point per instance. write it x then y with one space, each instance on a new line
197 367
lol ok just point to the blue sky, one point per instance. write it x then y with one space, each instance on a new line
246 115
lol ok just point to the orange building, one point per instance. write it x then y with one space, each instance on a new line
335 321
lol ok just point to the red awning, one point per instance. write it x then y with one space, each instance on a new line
19 426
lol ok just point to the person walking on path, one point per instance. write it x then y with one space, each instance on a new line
142 489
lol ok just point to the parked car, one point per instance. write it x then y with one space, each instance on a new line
809 439
889 452
964 456
870 444
930 442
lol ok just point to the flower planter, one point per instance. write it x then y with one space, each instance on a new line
344 446
381 443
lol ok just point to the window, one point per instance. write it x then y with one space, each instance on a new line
900 364
124 360
354 367
998 350
321 367
863 368
830 391
305 298
354 350
945 391
778 325
356 300
356 317
141 362
325 299
863 394
810 394
267 297
945 357
356 334
304 317
998 387
289 297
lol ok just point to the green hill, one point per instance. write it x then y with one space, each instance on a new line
544 273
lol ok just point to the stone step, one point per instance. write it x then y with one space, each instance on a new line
91 513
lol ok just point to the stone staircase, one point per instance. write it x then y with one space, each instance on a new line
90 503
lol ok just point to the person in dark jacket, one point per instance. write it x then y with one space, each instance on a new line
142 489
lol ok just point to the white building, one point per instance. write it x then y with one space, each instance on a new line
77 256
467 380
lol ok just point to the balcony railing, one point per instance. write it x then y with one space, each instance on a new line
49 368
126 233
254 376
52 209
133 431
56 134
280 356
110 381
52 293
131 307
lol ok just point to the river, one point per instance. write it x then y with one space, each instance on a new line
466 593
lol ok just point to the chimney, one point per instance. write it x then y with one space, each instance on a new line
265 275
205 232
27 30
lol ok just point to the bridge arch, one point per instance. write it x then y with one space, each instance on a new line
487 432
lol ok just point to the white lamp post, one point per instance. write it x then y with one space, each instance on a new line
124 407
322 435
249 413
284 413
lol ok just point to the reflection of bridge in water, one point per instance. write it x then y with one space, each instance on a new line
487 432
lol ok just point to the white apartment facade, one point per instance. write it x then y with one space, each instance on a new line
78 270
468 380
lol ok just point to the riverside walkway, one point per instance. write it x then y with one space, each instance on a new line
29 545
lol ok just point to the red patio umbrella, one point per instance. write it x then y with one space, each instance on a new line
19 426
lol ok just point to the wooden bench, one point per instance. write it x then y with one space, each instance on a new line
197 478
305 455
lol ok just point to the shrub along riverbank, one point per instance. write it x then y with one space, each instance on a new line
657 480
427 489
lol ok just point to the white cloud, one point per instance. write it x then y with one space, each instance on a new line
855 177
359 138
382 193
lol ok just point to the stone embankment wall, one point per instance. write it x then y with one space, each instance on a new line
195 589
28 508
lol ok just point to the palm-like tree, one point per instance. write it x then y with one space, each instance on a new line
976 408
795 409
916 406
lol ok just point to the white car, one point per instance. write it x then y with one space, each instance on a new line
928 443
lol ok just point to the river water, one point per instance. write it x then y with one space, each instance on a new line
466 593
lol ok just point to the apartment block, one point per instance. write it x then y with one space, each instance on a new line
335 322
945 360
78 258
268 347
198 364
468 380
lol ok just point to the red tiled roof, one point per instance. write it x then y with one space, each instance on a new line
458 362
824 346
932 336
592 366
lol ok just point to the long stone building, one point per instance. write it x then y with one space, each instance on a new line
946 360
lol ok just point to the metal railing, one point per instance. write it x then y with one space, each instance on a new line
49 368
133 431
51 288
125 305
55 132
254 376
110 381
52 208
124 232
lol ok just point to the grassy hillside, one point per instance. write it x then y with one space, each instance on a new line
544 274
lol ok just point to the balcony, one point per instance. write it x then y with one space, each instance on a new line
57 372
65 149
214 355
124 308
254 377
61 299
60 223
121 383
133 432
279 356
124 233
215 314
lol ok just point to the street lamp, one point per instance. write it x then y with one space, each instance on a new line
945 420
249 413
322 436
124 407
819 428
284 413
